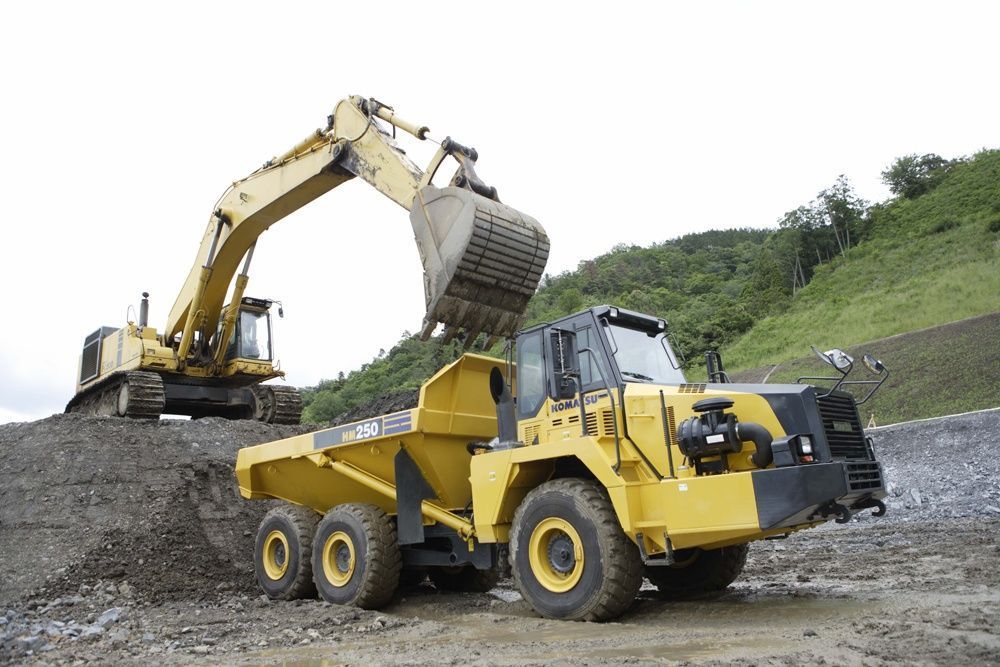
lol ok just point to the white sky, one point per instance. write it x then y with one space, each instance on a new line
122 123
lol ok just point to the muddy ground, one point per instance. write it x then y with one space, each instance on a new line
125 542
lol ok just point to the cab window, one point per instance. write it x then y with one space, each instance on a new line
530 375
590 372
251 337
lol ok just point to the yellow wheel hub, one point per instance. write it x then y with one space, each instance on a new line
555 553
338 558
275 555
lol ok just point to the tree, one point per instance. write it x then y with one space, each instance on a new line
767 289
913 175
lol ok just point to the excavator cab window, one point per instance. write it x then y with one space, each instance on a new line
252 336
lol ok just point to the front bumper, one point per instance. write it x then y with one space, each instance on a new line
801 494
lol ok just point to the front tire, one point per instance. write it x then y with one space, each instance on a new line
699 570
355 557
569 555
282 552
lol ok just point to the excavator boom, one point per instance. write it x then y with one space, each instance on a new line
482 259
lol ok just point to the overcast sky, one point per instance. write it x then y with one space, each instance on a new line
610 123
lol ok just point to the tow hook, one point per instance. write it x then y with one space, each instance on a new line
878 505
843 514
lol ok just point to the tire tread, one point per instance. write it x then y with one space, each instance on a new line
624 570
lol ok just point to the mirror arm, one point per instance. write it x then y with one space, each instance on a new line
877 383
820 377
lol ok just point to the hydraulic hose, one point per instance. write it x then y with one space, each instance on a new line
761 439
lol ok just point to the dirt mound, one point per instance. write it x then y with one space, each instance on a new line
403 400
86 498
137 547
156 504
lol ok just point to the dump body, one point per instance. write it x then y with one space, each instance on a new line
455 408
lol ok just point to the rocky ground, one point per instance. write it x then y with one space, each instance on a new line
126 542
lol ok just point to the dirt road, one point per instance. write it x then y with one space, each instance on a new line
921 585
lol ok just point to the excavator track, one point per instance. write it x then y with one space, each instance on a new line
277 404
134 394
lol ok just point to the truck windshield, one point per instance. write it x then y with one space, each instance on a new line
643 356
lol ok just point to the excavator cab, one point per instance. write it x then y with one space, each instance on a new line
252 337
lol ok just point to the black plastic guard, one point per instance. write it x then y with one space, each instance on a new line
796 491
411 490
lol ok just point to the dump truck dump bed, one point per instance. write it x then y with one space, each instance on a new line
347 463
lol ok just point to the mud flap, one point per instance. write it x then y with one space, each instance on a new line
482 261
411 490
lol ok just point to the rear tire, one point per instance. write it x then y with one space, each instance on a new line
464 578
355 556
569 555
699 570
282 552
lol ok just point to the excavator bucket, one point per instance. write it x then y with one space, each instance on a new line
482 261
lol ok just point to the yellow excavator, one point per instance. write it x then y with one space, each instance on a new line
482 262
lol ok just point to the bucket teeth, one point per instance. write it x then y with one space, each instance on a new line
470 339
482 260
449 334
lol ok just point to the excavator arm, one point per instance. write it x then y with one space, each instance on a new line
482 259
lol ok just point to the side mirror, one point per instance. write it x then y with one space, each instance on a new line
565 373
837 358
873 365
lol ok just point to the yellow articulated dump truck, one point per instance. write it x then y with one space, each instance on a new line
608 467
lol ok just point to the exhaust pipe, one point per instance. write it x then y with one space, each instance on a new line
144 310
506 422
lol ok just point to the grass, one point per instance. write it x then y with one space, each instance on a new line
938 371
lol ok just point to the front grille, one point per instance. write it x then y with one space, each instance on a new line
842 427
864 476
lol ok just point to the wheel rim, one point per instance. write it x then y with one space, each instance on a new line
123 400
338 558
555 553
275 555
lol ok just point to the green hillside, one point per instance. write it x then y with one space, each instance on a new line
861 272
925 261
942 370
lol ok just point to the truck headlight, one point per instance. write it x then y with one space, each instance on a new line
805 445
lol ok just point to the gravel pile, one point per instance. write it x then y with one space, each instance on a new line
942 468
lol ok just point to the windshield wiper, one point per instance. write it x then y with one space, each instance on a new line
638 376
